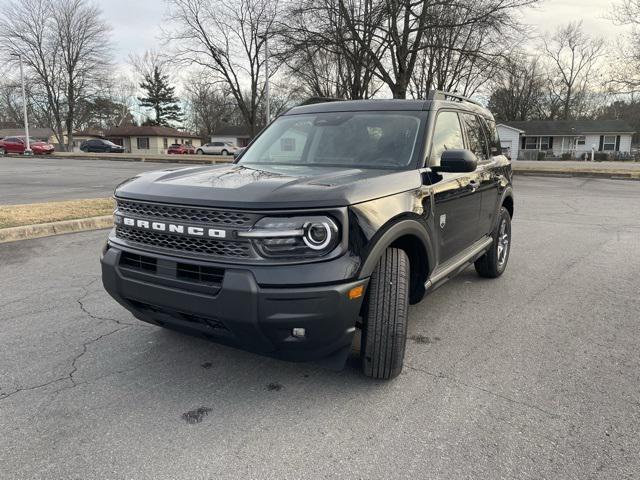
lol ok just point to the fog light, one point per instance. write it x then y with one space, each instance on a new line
299 332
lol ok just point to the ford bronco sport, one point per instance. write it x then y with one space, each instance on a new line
336 218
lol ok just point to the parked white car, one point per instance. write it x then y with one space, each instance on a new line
217 148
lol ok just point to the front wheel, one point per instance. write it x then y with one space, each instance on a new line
224 153
384 333
2 151
493 263
199 152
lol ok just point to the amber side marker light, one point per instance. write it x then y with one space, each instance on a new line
356 292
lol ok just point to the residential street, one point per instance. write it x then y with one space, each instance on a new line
535 375
31 180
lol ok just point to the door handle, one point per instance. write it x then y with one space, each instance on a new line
474 185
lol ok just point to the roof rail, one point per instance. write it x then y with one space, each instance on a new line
314 100
440 95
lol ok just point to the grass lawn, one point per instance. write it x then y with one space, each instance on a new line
29 214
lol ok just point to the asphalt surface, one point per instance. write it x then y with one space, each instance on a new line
43 179
535 375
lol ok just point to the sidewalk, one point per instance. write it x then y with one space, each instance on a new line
616 170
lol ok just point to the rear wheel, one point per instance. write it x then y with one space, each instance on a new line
2 151
224 153
493 263
384 334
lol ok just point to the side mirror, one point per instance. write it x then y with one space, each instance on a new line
457 161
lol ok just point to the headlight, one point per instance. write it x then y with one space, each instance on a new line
294 236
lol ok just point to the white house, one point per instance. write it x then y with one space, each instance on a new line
238 136
150 139
566 139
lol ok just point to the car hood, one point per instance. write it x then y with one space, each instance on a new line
238 186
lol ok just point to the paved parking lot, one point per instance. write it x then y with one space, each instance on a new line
534 375
38 179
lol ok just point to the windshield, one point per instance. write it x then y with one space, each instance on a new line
340 139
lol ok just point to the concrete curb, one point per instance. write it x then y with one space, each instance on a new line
128 157
610 174
26 232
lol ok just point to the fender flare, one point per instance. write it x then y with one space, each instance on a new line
391 234
507 193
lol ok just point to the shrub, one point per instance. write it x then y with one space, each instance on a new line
567 156
601 157
541 155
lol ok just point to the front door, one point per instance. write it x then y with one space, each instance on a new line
456 195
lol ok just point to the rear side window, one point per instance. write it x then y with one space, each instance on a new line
447 135
476 140
492 136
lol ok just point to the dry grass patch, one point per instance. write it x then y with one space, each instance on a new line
33 213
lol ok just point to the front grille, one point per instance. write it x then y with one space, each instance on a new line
208 216
138 262
186 244
200 273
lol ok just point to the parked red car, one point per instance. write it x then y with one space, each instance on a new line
181 149
17 145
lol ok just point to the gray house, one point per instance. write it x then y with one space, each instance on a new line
564 138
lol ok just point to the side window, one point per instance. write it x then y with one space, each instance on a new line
447 135
476 141
495 147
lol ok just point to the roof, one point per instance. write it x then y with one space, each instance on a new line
147 131
384 105
33 132
570 127
510 127
231 131
90 132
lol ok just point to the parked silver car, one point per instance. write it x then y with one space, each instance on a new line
217 148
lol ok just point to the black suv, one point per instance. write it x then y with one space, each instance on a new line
335 219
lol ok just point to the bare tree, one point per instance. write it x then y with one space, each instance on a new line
208 106
227 38
518 89
461 57
324 55
573 57
626 64
64 44
11 113
402 34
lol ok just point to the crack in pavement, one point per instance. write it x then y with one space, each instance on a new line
84 309
74 368
485 390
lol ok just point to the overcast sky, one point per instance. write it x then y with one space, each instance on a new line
136 23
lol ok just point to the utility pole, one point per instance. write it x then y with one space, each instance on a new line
27 144
266 69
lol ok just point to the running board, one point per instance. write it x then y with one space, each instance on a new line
460 261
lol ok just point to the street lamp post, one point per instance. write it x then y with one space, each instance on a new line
266 69
27 145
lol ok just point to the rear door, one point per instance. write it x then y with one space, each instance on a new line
484 142
456 196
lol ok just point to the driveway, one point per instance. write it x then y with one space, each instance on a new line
533 375
38 179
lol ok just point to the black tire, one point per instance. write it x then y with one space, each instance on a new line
224 153
199 152
384 334
493 263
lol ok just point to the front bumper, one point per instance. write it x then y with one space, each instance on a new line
239 312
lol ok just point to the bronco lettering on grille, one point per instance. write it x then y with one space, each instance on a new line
189 230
